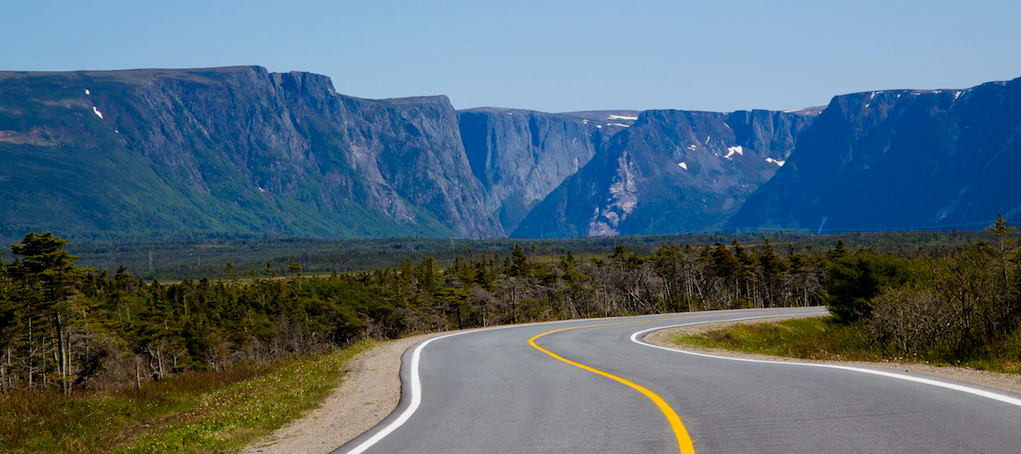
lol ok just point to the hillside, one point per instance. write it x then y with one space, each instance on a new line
672 171
228 151
521 156
239 152
899 159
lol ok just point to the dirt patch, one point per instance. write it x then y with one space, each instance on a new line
995 380
370 391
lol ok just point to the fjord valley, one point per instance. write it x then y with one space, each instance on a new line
241 152
269 224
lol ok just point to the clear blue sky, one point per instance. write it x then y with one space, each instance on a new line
545 55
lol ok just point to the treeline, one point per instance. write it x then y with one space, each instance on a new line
69 328
950 309
206 258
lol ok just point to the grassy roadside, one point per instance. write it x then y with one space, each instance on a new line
193 412
816 338
804 338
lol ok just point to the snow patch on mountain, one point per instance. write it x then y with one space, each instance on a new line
621 117
731 151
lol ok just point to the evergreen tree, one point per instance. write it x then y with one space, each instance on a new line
48 277
854 280
519 262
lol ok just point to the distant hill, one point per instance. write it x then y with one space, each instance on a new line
899 159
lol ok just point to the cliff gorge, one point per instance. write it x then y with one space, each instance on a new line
672 171
521 156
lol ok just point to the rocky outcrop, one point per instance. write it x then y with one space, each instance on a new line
899 159
672 171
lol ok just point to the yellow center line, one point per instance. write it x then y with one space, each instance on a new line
684 444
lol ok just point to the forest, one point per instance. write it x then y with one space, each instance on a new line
68 328
940 308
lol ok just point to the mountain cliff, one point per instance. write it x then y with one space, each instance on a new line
899 159
671 171
229 150
521 156
240 151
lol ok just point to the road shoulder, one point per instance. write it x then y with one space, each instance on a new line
992 380
370 391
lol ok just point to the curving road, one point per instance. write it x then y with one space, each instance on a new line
591 386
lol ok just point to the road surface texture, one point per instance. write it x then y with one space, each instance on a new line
592 386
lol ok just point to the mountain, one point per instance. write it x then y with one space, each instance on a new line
899 159
671 171
238 150
520 156
179 154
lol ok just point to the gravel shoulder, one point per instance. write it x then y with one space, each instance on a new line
371 390
991 380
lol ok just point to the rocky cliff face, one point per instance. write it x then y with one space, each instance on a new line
229 150
520 156
672 171
900 159
178 154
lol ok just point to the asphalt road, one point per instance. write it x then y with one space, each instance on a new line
491 391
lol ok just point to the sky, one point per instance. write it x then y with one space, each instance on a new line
552 56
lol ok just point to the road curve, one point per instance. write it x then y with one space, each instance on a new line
491 391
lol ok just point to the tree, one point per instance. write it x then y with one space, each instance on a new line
838 251
854 280
48 276
519 262
1004 247
772 271
1005 241
10 317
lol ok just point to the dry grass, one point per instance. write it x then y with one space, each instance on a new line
190 412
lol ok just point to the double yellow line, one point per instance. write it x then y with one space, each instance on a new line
684 444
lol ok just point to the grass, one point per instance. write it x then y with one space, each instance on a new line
1003 356
817 338
191 412
804 338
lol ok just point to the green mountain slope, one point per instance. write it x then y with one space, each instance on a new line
235 151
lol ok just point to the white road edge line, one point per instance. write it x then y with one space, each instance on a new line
965 389
416 398
416 382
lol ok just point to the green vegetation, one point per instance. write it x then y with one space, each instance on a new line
809 338
87 351
960 309
69 328
197 411
853 281
207 256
